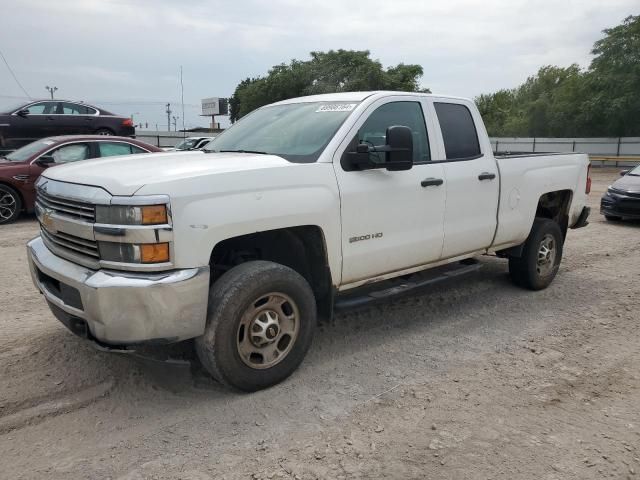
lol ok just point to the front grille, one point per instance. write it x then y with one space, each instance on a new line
71 243
63 206
631 207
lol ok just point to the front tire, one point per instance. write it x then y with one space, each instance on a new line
612 218
260 324
10 205
541 256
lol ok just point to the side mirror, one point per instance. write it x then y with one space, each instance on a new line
624 172
398 152
400 148
23 113
45 161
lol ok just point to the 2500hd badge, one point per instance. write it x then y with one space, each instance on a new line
365 237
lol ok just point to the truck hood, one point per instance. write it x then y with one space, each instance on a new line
126 174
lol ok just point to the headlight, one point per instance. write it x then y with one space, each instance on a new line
132 215
134 252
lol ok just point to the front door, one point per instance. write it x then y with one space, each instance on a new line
391 220
38 123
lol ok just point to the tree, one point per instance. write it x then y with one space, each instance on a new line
604 100
615 79
324 72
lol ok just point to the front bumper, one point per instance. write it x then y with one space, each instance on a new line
620 204
121 308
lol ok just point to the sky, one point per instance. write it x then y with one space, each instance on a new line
125 55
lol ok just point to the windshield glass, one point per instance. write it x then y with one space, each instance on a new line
297 132
27 151
187 144
635 171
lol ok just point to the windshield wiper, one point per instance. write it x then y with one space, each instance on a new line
243 151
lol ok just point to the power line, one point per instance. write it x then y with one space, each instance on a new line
14 75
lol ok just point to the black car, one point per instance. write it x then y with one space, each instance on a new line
622 199
46 118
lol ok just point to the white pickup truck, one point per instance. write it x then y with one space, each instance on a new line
301 205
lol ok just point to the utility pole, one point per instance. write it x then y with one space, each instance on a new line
51 90
175 123
168 116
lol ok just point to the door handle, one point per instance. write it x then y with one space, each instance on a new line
486 176
431 182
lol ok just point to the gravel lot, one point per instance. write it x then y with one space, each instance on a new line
476 379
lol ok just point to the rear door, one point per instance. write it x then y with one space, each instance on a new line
471 178
38 123
76 119
391 220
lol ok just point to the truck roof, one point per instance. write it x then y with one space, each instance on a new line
358 96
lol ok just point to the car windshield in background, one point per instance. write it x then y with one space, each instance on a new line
27 151
297 132
635 171
186 144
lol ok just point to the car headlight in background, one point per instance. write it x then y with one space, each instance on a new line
134 252
132 215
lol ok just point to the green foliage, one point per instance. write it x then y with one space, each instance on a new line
325 72
603 100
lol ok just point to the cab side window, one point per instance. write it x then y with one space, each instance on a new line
408 114
71 153
75 109
42 108
458 131
111 149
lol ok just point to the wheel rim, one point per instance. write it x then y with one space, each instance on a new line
268 330
104 132
8 206
546 255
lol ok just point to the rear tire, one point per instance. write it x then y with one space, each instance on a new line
260 324
541 256
104 131
10 205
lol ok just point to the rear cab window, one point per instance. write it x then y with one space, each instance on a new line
459 132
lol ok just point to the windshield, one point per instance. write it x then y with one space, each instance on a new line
187 144
27 151
297 132
635 171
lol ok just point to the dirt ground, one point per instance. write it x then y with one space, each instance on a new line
476 379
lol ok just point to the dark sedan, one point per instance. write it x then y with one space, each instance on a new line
622 199
43 118
20 169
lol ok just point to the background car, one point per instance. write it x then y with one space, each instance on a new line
44 118
20 169
190 143
622 198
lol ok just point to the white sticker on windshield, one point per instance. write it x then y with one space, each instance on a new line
336 107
